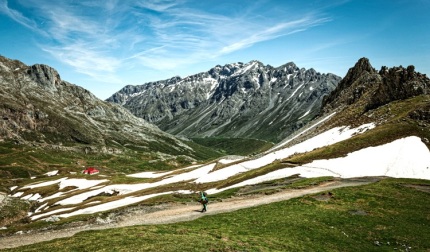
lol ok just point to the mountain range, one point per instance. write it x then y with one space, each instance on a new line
236 100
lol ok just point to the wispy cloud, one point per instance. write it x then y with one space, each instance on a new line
18 17
159 5
98 38
279 30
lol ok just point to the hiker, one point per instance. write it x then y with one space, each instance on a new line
204 201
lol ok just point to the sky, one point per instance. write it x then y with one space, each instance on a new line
105 45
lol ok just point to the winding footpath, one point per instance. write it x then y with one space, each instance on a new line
176 213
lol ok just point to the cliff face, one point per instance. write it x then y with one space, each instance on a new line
235 100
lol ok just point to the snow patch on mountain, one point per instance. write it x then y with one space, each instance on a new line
403 158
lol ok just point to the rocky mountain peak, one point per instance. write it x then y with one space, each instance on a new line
289 67
352 86
45 75
368 89
360 68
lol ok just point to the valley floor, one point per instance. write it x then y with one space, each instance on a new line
179 212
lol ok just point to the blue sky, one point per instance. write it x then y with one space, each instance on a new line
105 45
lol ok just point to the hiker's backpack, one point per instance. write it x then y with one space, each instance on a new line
204 199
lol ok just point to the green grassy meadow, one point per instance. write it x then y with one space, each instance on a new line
235 146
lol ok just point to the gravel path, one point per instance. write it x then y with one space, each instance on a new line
176 213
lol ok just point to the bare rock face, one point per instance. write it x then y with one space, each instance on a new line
367 89
45 76
38 108
398 83
249 100
356 82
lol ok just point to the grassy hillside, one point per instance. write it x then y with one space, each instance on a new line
22 161
235 146
375 217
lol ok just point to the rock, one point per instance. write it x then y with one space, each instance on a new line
109 219
46 76
368 89
52 218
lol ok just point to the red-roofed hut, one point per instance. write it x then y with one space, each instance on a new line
90 171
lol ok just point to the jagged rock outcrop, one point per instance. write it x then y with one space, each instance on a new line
235 100
398 83
38 108
364 89
352 86
367 89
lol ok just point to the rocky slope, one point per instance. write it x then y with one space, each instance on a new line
364 89
40 109
249 100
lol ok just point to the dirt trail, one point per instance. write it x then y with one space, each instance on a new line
176 213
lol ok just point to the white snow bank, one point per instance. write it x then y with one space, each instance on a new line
403 158
130 188
17 194
305 114
51 173
53 196
117 203
32 197
63 183
158 174
148 174
40 208
47 183
229 160
80 183
327 138
35 217
303 132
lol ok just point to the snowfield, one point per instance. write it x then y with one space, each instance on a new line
404 158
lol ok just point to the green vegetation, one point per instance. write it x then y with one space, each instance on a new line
23 162
13 209
235 146
385 216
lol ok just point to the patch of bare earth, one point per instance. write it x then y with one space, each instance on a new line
422 188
